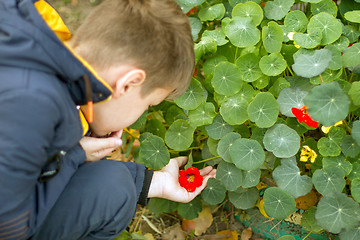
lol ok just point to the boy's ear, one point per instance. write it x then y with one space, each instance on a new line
128 80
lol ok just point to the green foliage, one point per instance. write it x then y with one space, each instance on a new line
256 61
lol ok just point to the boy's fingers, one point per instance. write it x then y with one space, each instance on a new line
206 170
181 160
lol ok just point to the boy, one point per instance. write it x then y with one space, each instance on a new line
55 182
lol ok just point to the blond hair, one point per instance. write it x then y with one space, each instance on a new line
154 35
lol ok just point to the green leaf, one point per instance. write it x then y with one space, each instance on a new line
310 40
229 175
337 162
352 234
251 178
211 63
327 6
282 140
272 64
312 65
153 153
328 147
207 45
355 172
329 180
219 128
196 27
355 189
262 82
156 127
140 122
279 84
330 27
224 145
244 198
161 205
353 16
202 115
173 113
327 103
249 67
336 212
308 221
193 96
186 5
354 93
272 36
213 12
351 32
246 92
217 35
247 154
214 192
311 1
341 44
263 110
227 79
242 32
355 132
336 60
249 9
234 110
278 203
290 98
287 177
190 210
349 147
277 9
212 144
287 237
296 21
179 135
351 56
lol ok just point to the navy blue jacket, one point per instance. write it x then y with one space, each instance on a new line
41 85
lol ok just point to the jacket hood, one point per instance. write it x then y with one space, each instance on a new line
27 41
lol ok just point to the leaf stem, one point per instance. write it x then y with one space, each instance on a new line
307 235
291 72
236 52
205 160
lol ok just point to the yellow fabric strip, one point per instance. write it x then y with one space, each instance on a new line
84 123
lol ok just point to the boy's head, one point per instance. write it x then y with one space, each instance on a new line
143 49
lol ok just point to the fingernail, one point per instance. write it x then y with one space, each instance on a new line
118 142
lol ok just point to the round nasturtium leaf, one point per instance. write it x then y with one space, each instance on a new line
308 66
190 210
156 127
249 67
234 110
247 154
327 103
310 40
202 115
244 198
329 180
278 204
336 60
330 27
355 171
219 128
341 44
351 56
246 92
227 79
179 135
337 162
207 45
262 82
355 132
355 189
353 16
211 63
296 21
263 110
229 175
272 36
217 35
282 141
161 205
224 145
352 234
287 177
251 178
249 9
351 32
337 212
277 9
354 93
327 6
213 12
273 64
290 98
242 32
196 27
214 192
153 153
308 221
328 147
349 147
192 97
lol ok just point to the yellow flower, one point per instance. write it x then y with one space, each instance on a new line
307 153
326 130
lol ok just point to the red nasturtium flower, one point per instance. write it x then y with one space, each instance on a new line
192 11
190 179
302 116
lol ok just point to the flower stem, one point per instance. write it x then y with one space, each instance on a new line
205 160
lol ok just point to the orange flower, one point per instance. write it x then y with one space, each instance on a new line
302 116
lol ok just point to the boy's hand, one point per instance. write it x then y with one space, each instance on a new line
98 148
165 183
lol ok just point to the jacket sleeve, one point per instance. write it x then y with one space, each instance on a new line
28 120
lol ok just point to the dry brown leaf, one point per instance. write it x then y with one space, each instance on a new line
246 234
188 226
149 236
203 221
228 235
307 201
174 233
